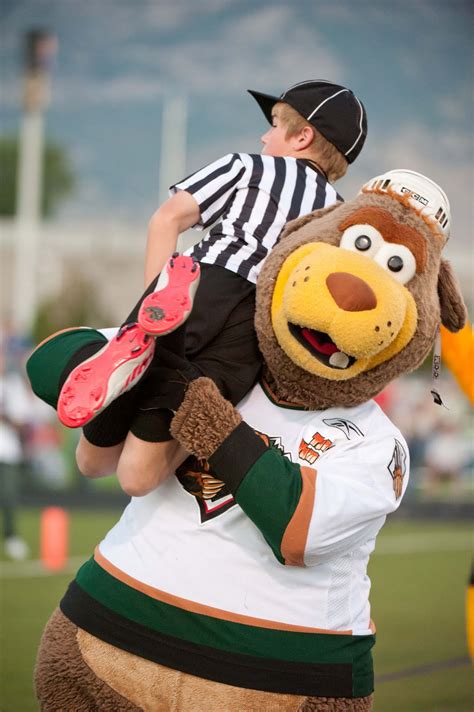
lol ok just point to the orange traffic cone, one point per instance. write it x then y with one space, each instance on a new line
54 538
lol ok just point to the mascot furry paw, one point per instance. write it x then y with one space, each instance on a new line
241 582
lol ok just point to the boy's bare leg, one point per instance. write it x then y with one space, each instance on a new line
140 465
94 461
144 465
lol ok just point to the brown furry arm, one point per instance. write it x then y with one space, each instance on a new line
209 427
204 419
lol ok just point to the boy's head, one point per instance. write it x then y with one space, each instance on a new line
318 120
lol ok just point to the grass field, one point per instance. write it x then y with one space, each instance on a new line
419 574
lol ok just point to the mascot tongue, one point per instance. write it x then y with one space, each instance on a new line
319 341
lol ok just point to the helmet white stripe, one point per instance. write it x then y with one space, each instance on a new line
426 197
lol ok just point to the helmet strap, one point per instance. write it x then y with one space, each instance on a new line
436 370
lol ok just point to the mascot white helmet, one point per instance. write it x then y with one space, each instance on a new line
426 197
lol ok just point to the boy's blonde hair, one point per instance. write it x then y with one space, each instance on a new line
321 150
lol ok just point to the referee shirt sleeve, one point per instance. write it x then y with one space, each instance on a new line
213 187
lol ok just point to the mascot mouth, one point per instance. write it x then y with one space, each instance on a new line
321 346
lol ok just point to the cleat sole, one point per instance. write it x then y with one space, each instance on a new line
165 309
113 370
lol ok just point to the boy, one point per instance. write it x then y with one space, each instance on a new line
317 129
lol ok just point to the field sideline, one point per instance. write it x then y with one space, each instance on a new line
419 573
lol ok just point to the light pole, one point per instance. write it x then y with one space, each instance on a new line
40 50
173 142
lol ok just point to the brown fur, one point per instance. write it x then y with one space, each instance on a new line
405 200
76 672
434 289
391 231
296 224
296 385
161 689
202 423
337 704
204 419
453 312
63 681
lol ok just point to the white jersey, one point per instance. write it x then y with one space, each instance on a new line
176 542
251 570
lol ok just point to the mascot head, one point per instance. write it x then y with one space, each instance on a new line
353 294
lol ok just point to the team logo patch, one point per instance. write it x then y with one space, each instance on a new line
397 468
310 451
346 426
212 496
274 442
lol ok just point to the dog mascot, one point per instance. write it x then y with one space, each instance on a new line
241 582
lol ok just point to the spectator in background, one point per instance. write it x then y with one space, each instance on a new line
446 456
14 414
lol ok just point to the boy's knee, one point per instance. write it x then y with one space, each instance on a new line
137 479
87 465
144 466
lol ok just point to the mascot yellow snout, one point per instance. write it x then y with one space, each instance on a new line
337 313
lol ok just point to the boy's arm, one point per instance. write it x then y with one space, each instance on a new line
197 201
177 214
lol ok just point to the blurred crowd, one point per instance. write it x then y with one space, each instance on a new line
31 440
440 437
37 453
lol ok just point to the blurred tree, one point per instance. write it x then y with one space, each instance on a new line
59 180
76 304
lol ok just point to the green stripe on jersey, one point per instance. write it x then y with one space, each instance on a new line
227 635
48 361
269 495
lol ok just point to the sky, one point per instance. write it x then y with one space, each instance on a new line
119 61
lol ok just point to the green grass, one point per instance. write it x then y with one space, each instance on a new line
417 604
27 603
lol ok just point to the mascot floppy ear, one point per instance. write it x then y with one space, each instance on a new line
453 310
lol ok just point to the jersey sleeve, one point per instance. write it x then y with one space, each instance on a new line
308 514
358 484
213 187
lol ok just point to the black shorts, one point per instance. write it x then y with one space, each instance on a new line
220 341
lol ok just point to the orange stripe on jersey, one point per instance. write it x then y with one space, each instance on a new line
193 607
296 533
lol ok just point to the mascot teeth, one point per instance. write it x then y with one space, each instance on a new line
339 360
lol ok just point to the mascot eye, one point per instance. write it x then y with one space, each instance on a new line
398 261
363 243
395 264
362 238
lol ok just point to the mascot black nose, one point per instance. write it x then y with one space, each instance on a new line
350 292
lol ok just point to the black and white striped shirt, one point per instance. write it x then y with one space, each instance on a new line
247 199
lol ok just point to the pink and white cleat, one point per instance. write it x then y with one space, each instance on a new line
103 377
170 304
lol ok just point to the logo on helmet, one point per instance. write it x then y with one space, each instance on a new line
415 196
